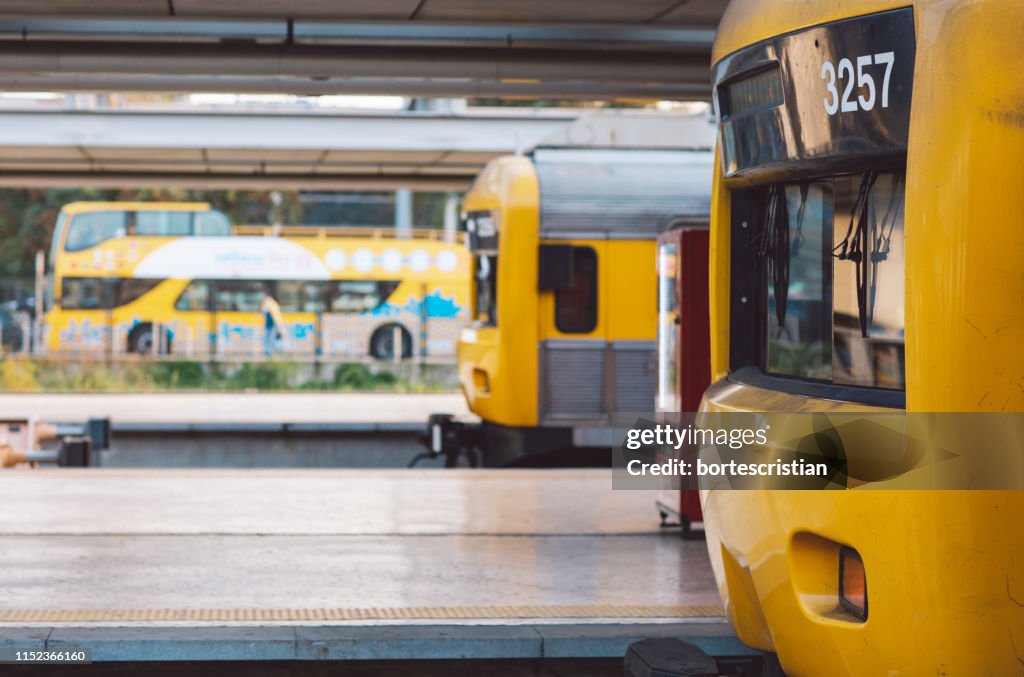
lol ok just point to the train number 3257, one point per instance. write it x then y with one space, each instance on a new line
836 75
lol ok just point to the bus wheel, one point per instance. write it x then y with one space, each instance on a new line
141 339
382 342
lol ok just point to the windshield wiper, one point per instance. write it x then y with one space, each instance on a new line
773 245
798 238
855 244
882 241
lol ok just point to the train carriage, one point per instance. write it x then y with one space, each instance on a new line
865 257
564 310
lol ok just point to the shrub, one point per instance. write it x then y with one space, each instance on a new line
262 376
88 376
356 376
18 376
175 375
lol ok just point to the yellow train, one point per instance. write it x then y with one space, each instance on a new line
564 328
866 256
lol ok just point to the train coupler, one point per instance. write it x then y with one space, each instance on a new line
448 437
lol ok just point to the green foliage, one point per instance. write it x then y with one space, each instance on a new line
356 376
180 375
262 376
23 376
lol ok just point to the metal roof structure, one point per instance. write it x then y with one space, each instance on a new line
308 150
584 49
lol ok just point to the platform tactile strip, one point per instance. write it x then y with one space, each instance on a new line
359 614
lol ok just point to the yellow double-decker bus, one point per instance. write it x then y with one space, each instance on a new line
179 279
866 257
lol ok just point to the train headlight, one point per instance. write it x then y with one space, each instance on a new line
853 583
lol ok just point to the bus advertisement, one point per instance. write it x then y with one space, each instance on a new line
178 279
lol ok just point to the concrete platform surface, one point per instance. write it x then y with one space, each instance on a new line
233 408
50 501
160 565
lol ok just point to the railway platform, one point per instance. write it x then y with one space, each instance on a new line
245 429
355 565
185 410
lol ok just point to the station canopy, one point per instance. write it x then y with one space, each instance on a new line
583 49
308 149
643 50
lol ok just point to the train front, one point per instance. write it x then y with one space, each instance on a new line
856 267
497 352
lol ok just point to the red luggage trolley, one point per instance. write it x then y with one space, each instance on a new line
684 346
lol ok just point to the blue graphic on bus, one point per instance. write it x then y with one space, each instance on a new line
434 305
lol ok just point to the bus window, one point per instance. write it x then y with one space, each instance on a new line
299 297
576 305
834 260
163 223
486 289
242 296
130 289
58 230
91 228
195 297
211 223
358 296
81 293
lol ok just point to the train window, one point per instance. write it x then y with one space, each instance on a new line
833 253
299 297
131 289
82 293
576 305
91 228
799 324
868 291
242 296
195 297
486 273
358 296
211 223
162 223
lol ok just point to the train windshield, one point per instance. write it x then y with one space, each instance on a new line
485 270
832 253
482 237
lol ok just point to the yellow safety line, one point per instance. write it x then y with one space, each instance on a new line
362 614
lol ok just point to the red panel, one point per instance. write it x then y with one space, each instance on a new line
694 318
694 339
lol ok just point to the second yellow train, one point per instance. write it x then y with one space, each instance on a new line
564 296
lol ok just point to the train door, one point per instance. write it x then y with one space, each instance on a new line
684 352
572 328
